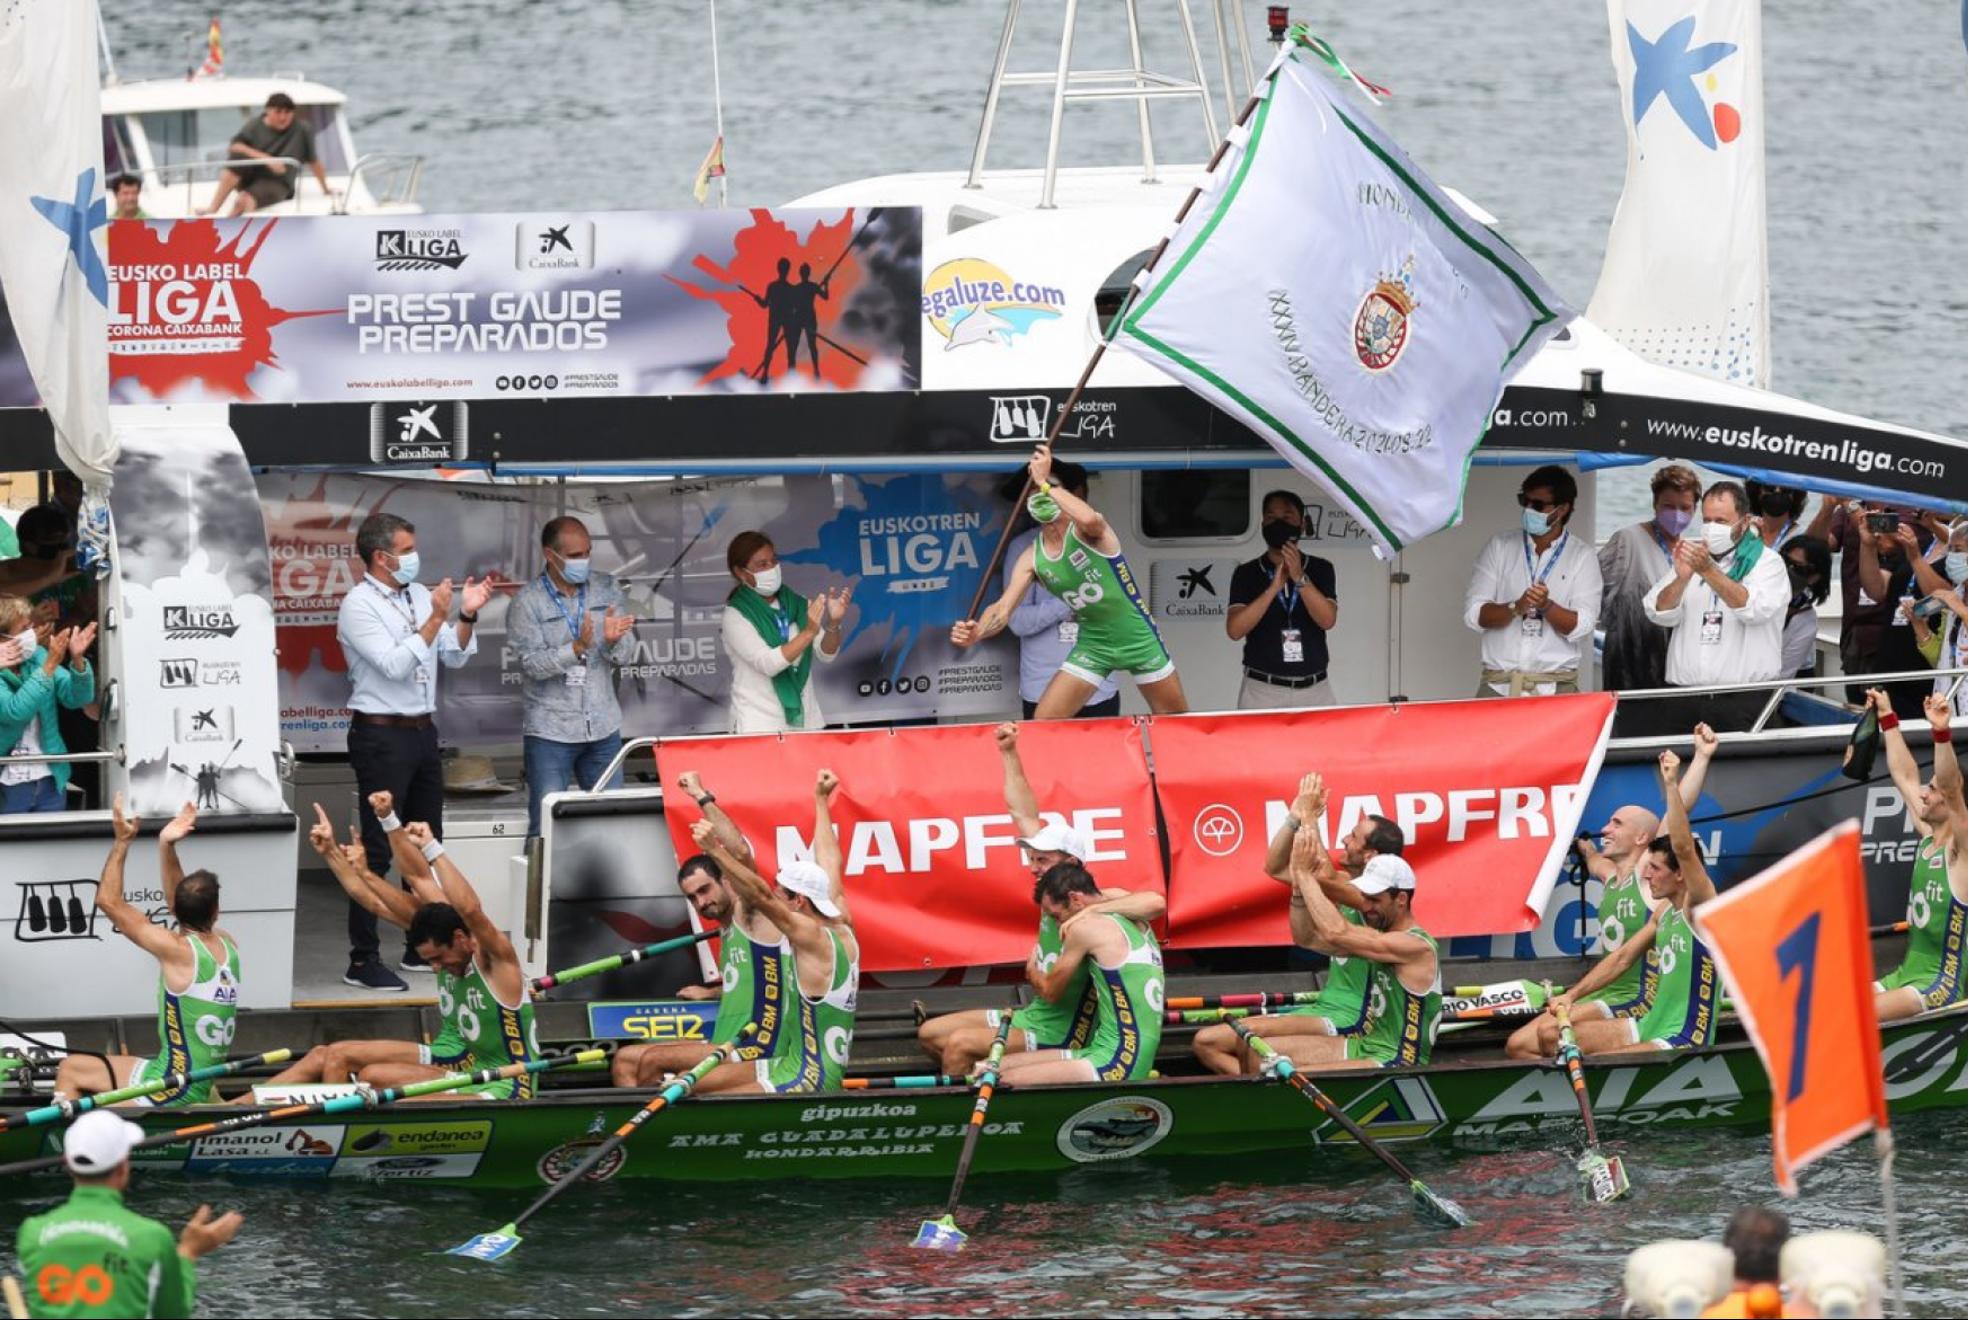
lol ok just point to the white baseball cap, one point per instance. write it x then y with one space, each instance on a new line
810 881
1055 837
1385 871
99 1141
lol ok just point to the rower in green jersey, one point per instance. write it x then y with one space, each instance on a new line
1624 907
1688 984
1930 976
754 986
197 972
1125 965
93 1256
1341 1008
808 904
1077 557
481 986
956 1041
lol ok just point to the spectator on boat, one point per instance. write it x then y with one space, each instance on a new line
1724 599
1047 630
771 634
1534 596
92 1255
1942 634
1807 559
1755 1237
127 189
44 564
1873 578
1894 567
1632 560
278 136
395 633
570 629
37 681
1282 605
1779 511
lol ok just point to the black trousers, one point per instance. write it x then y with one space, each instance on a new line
405 762
1725 712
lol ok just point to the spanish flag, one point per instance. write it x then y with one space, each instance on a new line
1796 955
712 168
214 52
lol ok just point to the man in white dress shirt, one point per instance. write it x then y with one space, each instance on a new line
394 633
1535 593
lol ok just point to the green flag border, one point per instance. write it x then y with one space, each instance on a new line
1130 324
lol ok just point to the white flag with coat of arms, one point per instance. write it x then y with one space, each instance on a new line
1686 278
54 221
1336 301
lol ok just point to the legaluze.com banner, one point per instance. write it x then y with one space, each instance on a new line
354 309
912 547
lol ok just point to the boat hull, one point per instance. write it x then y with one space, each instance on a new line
905 1133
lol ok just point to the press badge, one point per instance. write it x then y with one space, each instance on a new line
1293 642
1711 627
423 675
1069 633
577 676
1532 624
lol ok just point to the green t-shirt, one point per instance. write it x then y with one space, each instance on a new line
92 1256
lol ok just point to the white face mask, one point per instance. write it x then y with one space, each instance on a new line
768 581
27 643
1720 539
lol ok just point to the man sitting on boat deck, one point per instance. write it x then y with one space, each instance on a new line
197 972
1404 973
1341 1008
753 963
809 905
957 1041
1624 906
1930 976
1126 962
1688 987
481 987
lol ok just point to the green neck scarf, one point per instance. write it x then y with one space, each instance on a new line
1748 551
777 620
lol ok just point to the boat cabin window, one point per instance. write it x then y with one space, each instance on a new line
1114 290
117 156
1188 505
184 137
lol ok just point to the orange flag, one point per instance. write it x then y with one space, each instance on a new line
1794 950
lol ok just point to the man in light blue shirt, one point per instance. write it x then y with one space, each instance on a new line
395 632
1045 626
570 629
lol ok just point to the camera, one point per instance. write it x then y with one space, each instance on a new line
1928 606
1884 524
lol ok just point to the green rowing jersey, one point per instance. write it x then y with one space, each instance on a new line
1131 997
194 1027
94 1256
1400 1026
1116 630
1068 1023
1937 924
1342 1000
1622 912
1684 1007
822 1031
493 1033
754 975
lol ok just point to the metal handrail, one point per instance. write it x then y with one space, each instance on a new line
50 758
1778 688
621 758
165 175
409 168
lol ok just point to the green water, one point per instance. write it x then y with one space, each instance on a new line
1331 1236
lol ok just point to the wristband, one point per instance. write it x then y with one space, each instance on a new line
467 617
706 800
1889 721
433 850
1944 735
390 823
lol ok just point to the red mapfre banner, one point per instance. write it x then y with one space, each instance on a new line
1488 794
934 874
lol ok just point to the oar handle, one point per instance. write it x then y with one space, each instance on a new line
541 984
1568 1053
76 1108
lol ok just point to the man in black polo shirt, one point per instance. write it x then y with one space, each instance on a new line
278 136
1281 605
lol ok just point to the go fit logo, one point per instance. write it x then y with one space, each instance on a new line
1843 452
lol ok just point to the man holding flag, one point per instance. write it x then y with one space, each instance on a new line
1930 976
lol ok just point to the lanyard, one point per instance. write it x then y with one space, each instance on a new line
1530 563
580 605
398 601
1666 543
1287 599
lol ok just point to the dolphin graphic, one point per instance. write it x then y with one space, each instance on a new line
979 327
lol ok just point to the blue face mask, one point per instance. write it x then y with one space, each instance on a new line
574 570
1957 566
406 569
1536 523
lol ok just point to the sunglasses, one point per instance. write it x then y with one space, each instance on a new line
1542 506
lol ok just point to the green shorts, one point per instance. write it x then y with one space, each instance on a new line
1136 650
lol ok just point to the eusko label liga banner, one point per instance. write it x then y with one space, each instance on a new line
579 305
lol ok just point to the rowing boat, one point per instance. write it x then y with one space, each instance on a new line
1037 1130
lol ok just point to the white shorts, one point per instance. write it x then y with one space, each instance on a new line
1632 1027
142 1101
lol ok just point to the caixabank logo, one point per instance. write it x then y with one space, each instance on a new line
416 432
420 249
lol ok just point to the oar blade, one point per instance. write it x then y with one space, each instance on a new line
1603 1176
495 1245
940 1235
1438 1209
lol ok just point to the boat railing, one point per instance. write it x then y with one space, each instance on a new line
64 758
629 748
1777 689
192 172
391 177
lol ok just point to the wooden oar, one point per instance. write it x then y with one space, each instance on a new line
502 1240
61 1109
942 1234
1603 1176
1439 1209
340 1104
542 984
16 1304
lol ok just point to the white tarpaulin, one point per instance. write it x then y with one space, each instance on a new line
1686 280
52 218
1335 300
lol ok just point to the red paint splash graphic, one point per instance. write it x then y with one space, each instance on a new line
184 308
754 268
